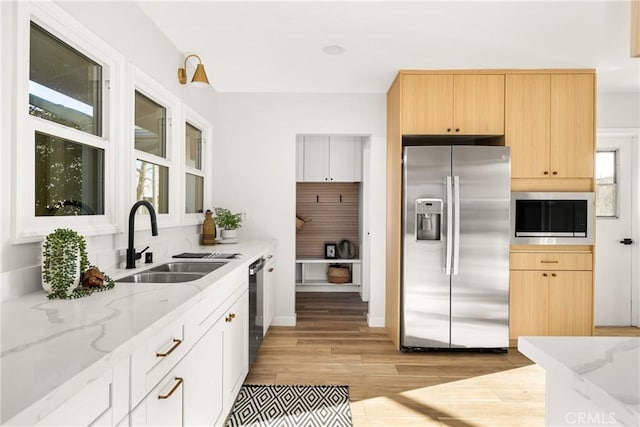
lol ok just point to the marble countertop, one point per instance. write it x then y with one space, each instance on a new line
51 348
605 370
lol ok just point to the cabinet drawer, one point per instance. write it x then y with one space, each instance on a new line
550 261
151 362
90 406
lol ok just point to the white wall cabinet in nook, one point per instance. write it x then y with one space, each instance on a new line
330 159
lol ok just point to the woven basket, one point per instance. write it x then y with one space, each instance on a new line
338 274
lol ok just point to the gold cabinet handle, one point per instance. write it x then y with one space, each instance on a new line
230 317
549 262
271 269
174 388
176 343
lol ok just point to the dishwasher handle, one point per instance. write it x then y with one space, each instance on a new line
256 267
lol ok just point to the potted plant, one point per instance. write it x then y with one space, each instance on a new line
228 222
64 258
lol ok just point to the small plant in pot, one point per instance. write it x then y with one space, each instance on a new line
64 258
228 222
65 264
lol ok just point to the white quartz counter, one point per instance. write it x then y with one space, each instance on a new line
590 380
52 348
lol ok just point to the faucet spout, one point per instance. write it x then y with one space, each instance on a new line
132 255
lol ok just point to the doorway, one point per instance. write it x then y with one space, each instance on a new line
332 196
616 288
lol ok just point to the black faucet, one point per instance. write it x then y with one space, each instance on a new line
132 255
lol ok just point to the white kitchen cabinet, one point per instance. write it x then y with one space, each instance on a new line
330 159
102 402
204 372
269 292
235 349
164 405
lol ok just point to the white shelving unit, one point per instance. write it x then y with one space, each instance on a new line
311 275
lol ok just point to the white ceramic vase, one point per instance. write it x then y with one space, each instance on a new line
228 234
76 280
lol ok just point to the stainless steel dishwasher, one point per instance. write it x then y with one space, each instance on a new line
256 291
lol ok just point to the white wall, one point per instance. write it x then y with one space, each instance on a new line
128 30
255 165
618 110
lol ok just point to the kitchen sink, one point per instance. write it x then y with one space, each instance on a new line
160 277
188 267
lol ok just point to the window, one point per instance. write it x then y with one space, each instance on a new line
152 167
64 160
606 184
194 189
64 88
196 174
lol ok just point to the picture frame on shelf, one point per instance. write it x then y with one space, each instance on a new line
330 251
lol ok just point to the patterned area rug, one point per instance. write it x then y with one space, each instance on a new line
291 405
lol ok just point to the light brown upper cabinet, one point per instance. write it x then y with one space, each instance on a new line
549 125
452 104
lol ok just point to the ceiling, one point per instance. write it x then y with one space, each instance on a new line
259 46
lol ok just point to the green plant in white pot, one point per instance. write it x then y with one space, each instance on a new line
64 259
228 222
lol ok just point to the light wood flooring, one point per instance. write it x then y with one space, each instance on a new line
332 344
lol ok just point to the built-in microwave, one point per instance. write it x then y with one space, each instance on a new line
552 218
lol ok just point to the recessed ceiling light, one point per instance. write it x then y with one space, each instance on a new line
333 49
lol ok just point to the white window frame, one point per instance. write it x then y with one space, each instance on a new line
153 90
53 19
196 120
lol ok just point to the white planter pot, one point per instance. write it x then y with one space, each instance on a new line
76 280
229 234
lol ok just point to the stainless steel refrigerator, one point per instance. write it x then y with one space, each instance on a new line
455 249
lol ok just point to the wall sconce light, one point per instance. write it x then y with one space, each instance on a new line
199 76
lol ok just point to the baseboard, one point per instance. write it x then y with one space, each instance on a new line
375 322
284 321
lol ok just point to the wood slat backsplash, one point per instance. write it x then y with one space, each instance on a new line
328 219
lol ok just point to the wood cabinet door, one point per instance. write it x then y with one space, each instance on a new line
527 124
478 104
427 104
571 303
528 303
572 125
316 159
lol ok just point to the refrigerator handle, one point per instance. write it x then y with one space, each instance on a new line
456 223
447 258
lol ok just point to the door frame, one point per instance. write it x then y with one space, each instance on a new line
634 133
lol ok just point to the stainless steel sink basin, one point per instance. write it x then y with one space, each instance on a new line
188 267
160 277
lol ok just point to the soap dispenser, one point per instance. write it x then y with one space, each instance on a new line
208 229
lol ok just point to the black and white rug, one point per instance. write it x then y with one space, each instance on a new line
291 405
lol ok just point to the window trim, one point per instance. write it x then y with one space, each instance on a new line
149 87
53 19
194 119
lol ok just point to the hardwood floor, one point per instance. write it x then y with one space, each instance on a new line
332 344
